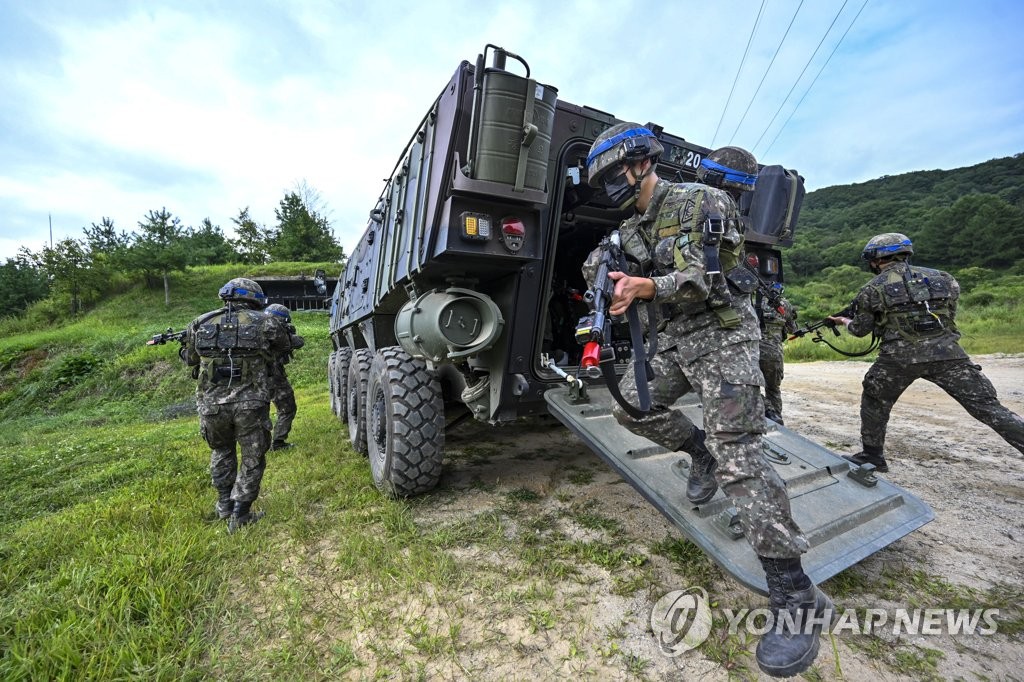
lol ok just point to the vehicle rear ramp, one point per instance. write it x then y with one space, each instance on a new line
846 512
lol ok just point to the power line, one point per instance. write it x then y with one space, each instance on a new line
777 49
734 80
783 103
816 77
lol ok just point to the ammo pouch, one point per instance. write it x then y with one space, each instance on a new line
227 336
229 350
917 307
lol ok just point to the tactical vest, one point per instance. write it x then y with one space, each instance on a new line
231 344
704 228
916 303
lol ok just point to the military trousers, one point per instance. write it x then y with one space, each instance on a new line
728 383
770 360
284 403
246 423
886 380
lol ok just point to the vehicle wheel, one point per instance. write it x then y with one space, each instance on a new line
405 424
342 359
355 398
331 384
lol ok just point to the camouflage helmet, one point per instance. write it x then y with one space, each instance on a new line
729 167
887 245
280 310
242 290
624 142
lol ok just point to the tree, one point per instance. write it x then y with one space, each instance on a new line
252 242
160 248
107 249
67 268
302 235
21 283
208 245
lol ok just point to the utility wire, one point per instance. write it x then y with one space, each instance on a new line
767 70
783 103
816 77
736 79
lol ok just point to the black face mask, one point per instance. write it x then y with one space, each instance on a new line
618 189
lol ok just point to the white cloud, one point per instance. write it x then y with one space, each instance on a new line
209 109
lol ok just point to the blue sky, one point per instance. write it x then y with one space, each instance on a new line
115 108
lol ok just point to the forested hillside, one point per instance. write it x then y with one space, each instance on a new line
962 218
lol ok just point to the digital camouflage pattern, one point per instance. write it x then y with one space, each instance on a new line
281 393
246 423
886 380
234 405
775 327
283 397
913 312
920 341
696 353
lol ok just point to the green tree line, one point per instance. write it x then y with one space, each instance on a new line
967 221
106 260
962 218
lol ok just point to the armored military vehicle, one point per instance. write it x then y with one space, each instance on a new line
463 295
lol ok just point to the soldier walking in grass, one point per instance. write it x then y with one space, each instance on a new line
231 351
281 393
687 241
912 311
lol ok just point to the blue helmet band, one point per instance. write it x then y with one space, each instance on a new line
227 290
612 141
729 174
873 252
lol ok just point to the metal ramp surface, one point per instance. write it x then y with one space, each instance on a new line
846 513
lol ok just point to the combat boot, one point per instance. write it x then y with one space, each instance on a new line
870 455
799 612
242 517
280 445
701 484
222 509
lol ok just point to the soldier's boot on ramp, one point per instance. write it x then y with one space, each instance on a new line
800 611
242 517
870 455
701 484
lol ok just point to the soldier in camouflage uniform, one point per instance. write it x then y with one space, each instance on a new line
231 350
281 393
912 310
688 241
778 320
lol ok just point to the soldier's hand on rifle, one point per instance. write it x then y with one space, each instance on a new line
838 319
627 290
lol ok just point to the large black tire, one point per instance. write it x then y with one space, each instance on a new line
405 424
355 398
342 359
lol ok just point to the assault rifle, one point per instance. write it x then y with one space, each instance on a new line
594 332
816 328
169 335
772 291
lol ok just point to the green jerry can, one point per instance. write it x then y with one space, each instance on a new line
516 116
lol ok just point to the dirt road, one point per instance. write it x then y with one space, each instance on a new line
544 479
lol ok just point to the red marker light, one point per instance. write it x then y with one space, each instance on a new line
513 233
